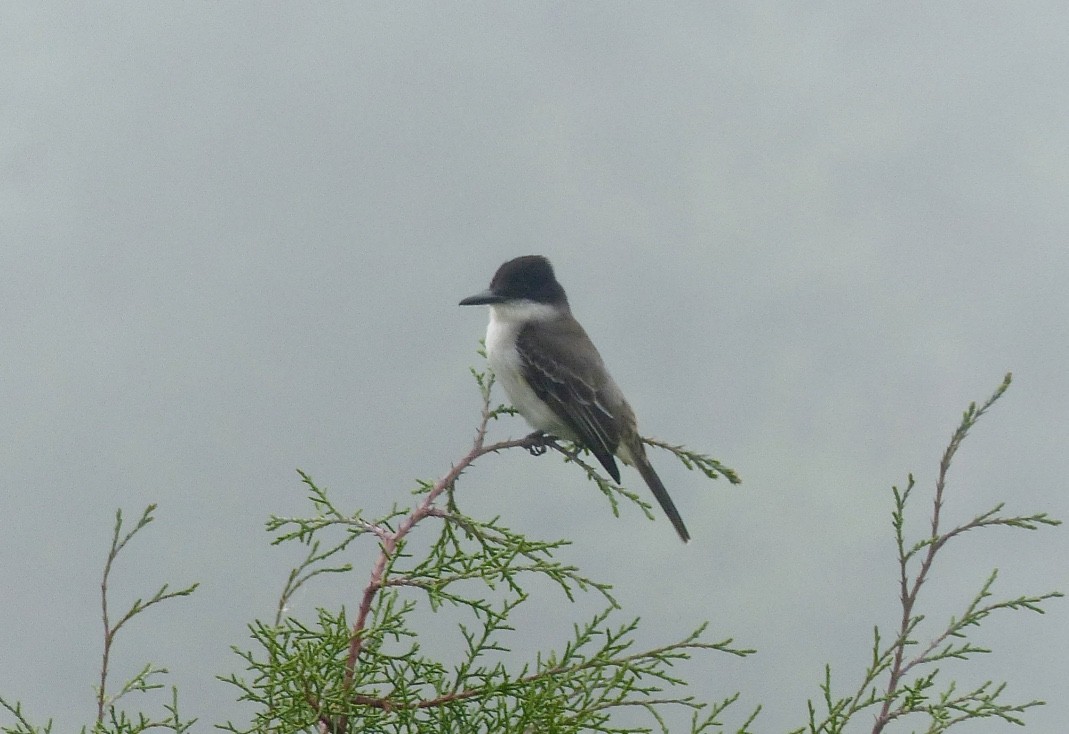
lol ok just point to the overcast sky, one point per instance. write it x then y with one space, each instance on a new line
804 237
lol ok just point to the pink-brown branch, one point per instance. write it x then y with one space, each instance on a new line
389 541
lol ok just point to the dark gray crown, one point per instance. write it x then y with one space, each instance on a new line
530 277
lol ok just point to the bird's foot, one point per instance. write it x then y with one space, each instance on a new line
539 440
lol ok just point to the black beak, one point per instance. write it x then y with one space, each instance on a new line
482 299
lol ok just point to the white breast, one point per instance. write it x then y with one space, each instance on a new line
506 320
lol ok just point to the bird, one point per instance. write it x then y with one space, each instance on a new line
554 375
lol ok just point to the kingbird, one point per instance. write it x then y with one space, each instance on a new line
554 375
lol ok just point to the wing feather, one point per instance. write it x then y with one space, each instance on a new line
580 392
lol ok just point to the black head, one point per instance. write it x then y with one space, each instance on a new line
525 278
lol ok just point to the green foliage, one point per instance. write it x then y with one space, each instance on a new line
111 718
368 671
369 668
902 679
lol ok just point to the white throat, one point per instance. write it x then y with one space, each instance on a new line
522 312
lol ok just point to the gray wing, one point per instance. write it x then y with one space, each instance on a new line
565 371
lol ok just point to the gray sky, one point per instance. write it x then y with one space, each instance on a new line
803 236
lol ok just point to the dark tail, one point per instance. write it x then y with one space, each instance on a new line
657 487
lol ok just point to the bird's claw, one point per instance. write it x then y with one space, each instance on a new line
538 446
